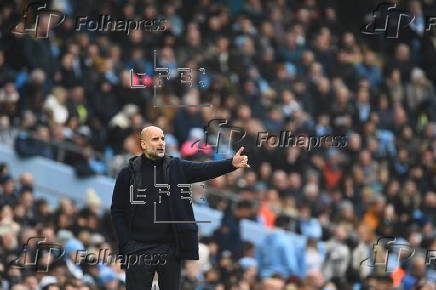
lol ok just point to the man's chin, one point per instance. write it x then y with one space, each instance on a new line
160 154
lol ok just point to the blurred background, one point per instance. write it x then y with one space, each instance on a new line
297 219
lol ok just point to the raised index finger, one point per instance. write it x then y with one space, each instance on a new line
240 151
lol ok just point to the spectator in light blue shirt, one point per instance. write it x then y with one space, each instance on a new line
369 70
386 141
417 273
309 226
279 253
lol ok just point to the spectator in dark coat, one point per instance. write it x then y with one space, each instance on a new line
229 233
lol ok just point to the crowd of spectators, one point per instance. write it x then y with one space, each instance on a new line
296 66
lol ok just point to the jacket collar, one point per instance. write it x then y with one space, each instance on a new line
136 161
148 161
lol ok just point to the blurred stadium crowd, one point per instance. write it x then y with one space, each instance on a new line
275 65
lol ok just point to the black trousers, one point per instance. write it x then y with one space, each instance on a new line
160 259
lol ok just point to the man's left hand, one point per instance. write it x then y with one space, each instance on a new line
240 161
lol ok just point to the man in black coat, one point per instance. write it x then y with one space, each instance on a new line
152 213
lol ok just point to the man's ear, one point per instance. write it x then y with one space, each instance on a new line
142 144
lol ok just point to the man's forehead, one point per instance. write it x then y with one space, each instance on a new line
151 132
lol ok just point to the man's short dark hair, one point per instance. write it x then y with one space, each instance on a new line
247 246
244 204
381 278
282 221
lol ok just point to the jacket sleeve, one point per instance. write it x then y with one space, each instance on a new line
202 171
120 207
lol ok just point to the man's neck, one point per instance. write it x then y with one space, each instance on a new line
152 158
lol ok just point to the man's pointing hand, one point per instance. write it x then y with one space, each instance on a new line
240 161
